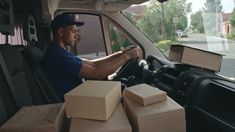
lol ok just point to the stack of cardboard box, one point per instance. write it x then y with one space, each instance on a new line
196 57
41 118
95 106
150 110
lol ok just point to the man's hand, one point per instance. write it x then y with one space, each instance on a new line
133 53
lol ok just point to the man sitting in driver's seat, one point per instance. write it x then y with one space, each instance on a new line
64 70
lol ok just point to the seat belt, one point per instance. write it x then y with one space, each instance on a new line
3 112
9 80
53 98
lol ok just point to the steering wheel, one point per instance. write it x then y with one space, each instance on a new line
129 68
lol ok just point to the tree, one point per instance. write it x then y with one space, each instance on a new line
211 17
183 23
114 37
151 23
197 22
232 21
213 6
207 17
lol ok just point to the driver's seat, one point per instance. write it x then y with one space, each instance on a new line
33 56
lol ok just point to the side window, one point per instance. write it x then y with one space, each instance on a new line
91 44
117 39
17 38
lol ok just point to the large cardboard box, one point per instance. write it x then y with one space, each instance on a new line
166 116
93 100
118 122
145 94
195 57
41 118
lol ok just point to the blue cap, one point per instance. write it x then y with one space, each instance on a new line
64 20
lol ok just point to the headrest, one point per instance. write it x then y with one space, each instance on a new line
33 56
30 32
12 58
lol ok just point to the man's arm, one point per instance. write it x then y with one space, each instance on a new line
106 59
102 60
101 68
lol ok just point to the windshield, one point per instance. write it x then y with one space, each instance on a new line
204 24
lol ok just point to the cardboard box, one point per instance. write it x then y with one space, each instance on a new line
41 118
93 100
196 57
118 122
166 116
145 94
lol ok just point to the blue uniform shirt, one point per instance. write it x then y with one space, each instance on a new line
61 68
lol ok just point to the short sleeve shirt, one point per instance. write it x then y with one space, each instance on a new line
61 68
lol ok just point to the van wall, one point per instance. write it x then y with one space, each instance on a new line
34 7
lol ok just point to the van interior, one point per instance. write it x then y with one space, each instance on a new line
25 35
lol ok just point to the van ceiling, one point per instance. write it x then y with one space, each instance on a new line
108 6
22 6
25 7
104 5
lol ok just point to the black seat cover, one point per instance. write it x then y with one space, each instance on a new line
33 56
15 66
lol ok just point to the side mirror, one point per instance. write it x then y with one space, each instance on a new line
161 1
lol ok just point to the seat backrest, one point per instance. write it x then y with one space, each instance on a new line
3 116
15 91
3 112
33 56
6 95
14 64
22 77
8 106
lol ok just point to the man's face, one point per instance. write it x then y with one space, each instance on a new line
70 35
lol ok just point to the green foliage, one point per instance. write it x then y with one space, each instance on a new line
116 47
229 36
183 22
115 40
151 23
232 19
232 22
197 22
164 45
232 34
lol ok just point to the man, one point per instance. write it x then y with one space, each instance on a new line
65 70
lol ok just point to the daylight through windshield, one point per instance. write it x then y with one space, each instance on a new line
204 24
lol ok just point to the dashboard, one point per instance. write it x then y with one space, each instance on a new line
175 79
206 96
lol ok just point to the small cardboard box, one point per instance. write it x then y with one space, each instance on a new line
166 116
145 94
93 100
118 122
41 118
195 57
